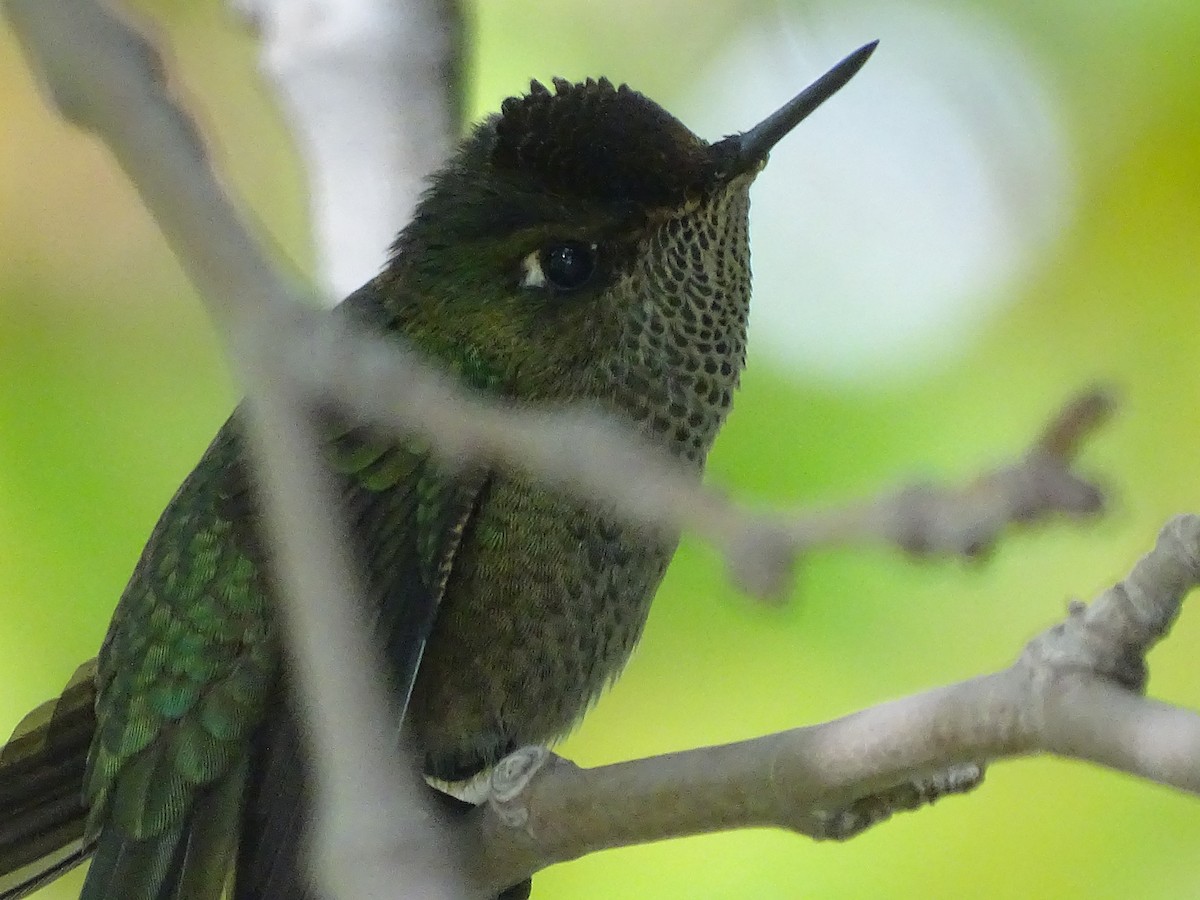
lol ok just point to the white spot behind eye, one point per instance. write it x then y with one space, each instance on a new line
531 268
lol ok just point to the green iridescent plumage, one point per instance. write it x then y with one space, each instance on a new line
582 246
191 660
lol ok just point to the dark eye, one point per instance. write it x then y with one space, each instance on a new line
566 266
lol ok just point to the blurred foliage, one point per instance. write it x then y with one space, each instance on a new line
110 386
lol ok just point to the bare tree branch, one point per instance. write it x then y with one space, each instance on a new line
927 519
1075 691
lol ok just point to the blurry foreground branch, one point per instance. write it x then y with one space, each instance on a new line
373 94
827 781
106 78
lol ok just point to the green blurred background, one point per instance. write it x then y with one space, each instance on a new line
111 385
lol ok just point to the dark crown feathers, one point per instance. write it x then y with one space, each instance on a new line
603 142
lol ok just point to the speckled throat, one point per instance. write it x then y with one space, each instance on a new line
686 301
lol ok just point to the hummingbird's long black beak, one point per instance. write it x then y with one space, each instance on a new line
741 152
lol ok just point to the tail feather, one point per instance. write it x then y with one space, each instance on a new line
136 864
42 768
271 859
189 861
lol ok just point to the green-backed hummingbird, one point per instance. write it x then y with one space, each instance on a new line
581 246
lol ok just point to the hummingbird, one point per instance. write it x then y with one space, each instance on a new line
580 246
